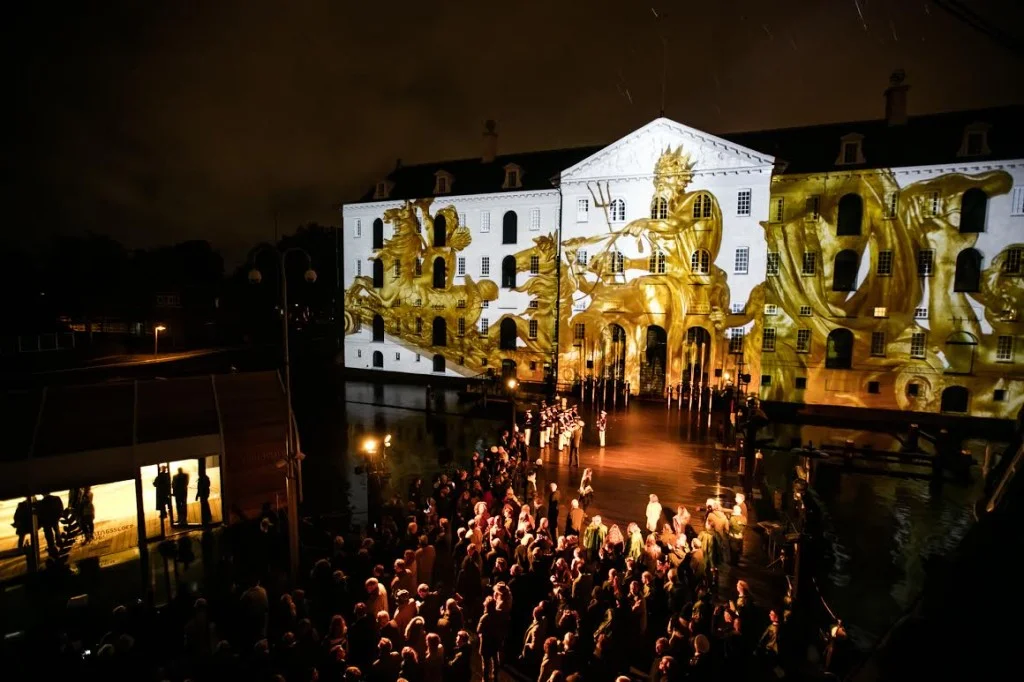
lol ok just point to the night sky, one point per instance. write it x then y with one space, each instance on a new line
157 122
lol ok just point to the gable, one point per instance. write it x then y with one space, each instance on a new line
636 154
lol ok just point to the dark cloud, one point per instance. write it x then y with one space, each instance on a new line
156 122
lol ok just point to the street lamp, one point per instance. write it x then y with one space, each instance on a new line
156 338
292 457
512 384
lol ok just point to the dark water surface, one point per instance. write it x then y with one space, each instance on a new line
880 529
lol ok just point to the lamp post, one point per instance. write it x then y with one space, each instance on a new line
292 457
512 384
156 338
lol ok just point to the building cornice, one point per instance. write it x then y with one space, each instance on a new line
647 177
461 198
960 167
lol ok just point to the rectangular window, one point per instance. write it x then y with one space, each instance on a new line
933 205
874 387
1012 261
768 339
742 260
533 329
442 185
925 262
999 395
800 383
917 343
462 326
1017 201
534 265
460 266
485 267
419 325
766 379
806 311
920 313
418 268
582 210
1004 349
462 219
485 221
743 202
884 267
812 208
736 341
359 352
534 304
810 263
417 357
778 209
398 268
581 257
485 304
892 202
358 230
803 340
398 357
773 263
771 309
484 325
618 263
581 330
850 150
461 303
359 268
878 344
736 308
880 312
535 219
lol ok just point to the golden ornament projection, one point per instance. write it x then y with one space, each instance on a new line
889 297
417 302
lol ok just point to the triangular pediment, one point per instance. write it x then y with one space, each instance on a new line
636 154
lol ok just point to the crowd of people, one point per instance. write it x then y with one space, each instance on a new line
475 572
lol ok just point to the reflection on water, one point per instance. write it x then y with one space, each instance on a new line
880 529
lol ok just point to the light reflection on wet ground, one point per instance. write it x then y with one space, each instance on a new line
881 528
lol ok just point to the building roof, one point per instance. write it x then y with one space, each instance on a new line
932 139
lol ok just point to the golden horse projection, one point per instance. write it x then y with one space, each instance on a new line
927 217
681 287
408 302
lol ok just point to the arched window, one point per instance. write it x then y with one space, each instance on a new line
968 271
440 230
378 359
378 234
378 328
440 273
618 210
439 363
700 262
851 214
656 263
439 333
959 352
973 206
955 399
510 228
509 334
508 272
844 270
659 208
378 273
839 350
702 206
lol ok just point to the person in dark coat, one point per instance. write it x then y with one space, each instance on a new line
179 486
553 507
162 483
460 668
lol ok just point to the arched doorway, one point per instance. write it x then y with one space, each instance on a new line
844 270
509 334
955 399
967 277
698 355
850 215
439 333
508 369
378 359
613 352
509 228
439 363
440 273
652 370
959 353
839 350
440 231
378 234
378 328
973 206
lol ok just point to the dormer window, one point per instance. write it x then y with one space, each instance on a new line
383 190
851 150
442 182
975 141
513 177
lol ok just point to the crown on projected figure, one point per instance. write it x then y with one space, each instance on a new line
674 167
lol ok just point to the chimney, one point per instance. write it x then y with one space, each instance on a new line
490 141
896 99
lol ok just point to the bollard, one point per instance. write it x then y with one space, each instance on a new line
758 465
